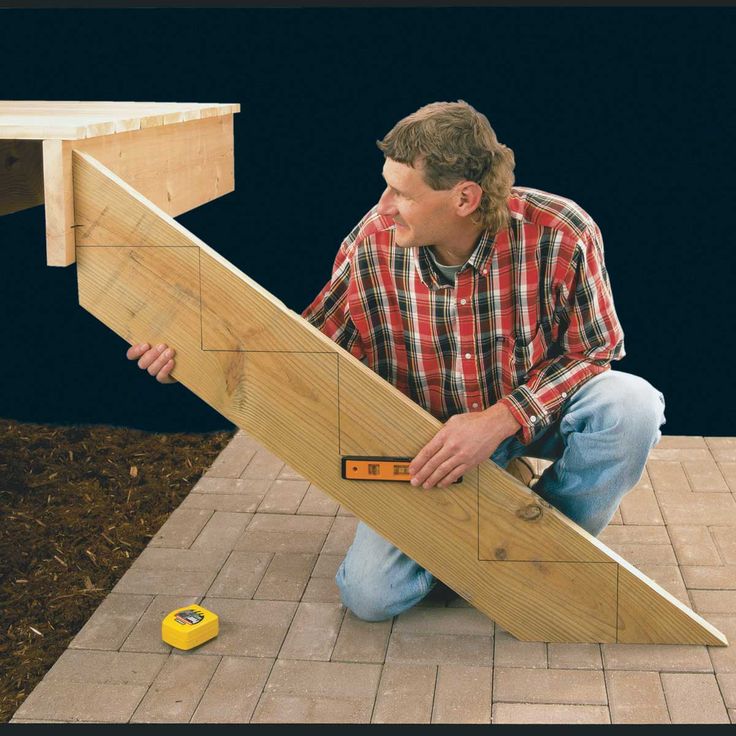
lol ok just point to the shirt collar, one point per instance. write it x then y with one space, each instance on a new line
479 260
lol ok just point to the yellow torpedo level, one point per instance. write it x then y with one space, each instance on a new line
188 627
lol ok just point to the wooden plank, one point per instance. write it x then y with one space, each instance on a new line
21 175
667 622
178 167
73 120
308 400
26 128
514 523
253 320
59 199
112 275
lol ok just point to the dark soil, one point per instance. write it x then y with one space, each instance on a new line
77 505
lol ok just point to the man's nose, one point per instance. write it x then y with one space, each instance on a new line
386 204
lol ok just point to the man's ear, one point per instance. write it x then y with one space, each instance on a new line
469 195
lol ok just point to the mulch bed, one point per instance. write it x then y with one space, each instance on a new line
77 505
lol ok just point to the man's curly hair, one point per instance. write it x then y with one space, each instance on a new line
454 142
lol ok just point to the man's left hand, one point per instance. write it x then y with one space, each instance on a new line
465 441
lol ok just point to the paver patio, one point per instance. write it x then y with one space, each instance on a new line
259 545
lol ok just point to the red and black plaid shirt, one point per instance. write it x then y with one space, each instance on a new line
529 319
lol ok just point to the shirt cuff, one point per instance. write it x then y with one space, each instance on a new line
528 411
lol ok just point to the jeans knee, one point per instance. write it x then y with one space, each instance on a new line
642 411
628 406
361 598
379 592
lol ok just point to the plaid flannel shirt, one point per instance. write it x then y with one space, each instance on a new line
529 319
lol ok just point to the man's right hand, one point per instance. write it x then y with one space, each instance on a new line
158 361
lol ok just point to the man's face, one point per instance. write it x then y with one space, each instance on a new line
423 216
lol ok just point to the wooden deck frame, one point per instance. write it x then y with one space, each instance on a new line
178 155
491 539
178 167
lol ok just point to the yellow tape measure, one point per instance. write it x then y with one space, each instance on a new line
188 627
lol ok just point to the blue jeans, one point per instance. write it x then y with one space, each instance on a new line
599 445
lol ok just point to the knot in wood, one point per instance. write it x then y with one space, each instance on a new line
532 512
500 553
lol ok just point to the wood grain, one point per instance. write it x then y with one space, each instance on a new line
59 200
309 401
177 167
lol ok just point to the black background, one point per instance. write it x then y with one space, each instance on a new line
628 111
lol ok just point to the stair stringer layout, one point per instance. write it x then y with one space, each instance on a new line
241 350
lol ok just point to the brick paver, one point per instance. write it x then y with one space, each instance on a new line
111 623
462 695
723 449
286 577
234 458
361 641
249 628
263 464
574 656
672 657
693 545
181 528
284 496
548 714
722 577
233 692
340 536
285 533
514 685
636 697
728 470
318 692
725 538
727 683
440 649
694 698
668 476
175 693
259 545
254 488
221 531
510 652
707 509
174 582
317 503
241 575
705 476
313 631
405 694
322 590
74 701
639 506
724 658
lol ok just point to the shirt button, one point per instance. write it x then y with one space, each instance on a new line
463 301
532 419
485 272
467 356
564 394
475 405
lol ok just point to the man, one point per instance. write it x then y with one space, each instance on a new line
490 306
